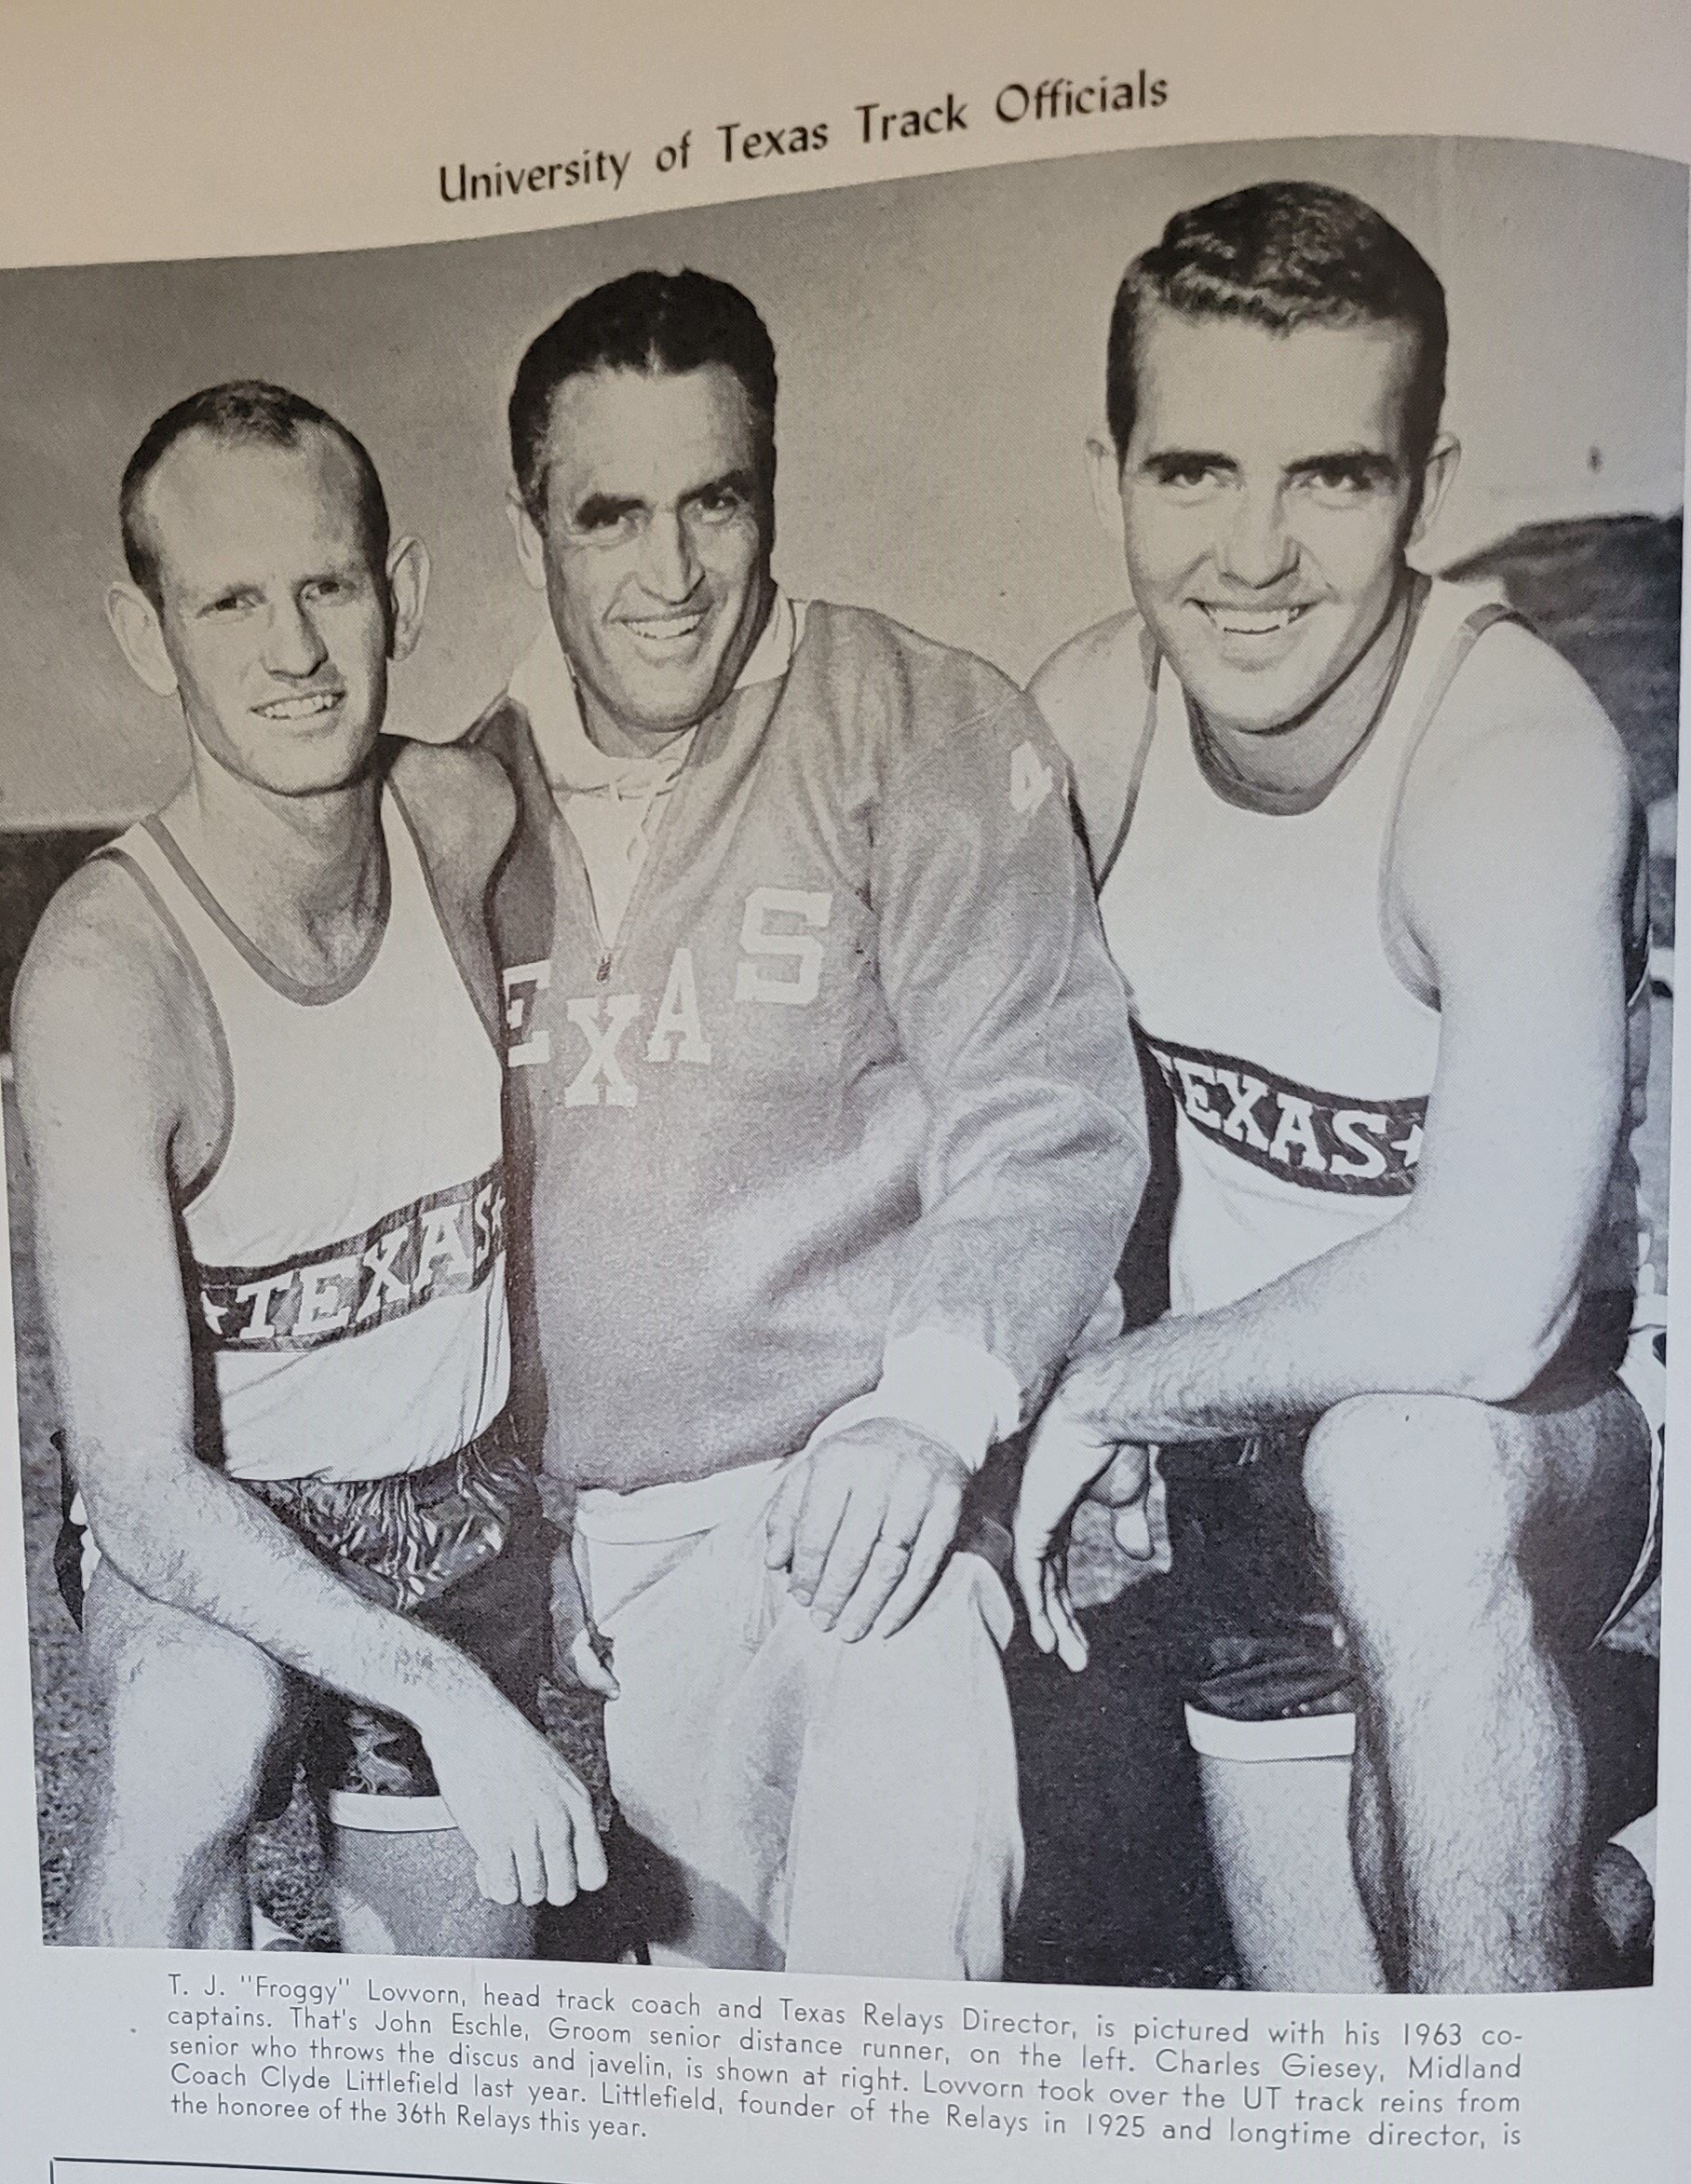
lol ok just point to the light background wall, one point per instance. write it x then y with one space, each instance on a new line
940 344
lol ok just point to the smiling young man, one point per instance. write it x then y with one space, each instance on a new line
1369 859
257 1065
826 1136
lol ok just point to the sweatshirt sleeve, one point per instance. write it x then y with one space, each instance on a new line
1016 1023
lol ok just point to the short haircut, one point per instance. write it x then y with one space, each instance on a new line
241 412
1280 255
649 322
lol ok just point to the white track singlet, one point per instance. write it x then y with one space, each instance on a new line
1299 1057
346 1252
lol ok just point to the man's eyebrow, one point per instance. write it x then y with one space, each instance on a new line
207 594
1162 462
609 507
742 482
605 508
1361 462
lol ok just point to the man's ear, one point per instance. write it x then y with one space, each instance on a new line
531 546
1436 480
1103 470
407 589
135 625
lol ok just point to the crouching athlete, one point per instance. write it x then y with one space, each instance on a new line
1370 858
258 1070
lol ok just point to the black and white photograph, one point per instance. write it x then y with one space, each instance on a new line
836 1104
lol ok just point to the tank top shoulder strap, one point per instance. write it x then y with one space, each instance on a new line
1151 660
138 853
181 900
1471 624
410 884
416 897
228 959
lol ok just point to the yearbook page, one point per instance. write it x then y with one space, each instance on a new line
838 884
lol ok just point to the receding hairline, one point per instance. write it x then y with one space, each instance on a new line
645 321
762 425
306 437
658 371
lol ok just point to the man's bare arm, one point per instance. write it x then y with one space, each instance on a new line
98 1026
461 803
1511 868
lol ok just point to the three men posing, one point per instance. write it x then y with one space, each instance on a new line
824 1126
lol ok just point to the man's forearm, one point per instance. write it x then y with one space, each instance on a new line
1385 1312
185 1536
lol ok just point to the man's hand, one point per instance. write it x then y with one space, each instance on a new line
1125 1489
576 1644
864 1520
1072 1453
525 1814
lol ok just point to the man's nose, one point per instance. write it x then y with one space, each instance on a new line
293 644
668 566
1255 548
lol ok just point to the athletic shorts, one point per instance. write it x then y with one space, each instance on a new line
1267 1670
463 1548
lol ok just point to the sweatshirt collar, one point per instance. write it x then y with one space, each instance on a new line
543 686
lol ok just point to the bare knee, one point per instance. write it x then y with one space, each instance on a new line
1419 1512
193 1716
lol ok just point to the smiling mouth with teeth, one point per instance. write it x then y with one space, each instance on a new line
307 706
665 629
1246 621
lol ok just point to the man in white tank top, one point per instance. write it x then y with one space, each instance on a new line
257 1066
1369 859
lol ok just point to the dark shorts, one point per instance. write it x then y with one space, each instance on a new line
1250 1612
1267 1668
464 1549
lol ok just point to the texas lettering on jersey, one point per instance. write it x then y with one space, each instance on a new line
443 1246
780 966
600 1038
1321 1141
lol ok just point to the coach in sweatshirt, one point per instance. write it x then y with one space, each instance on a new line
826 1136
